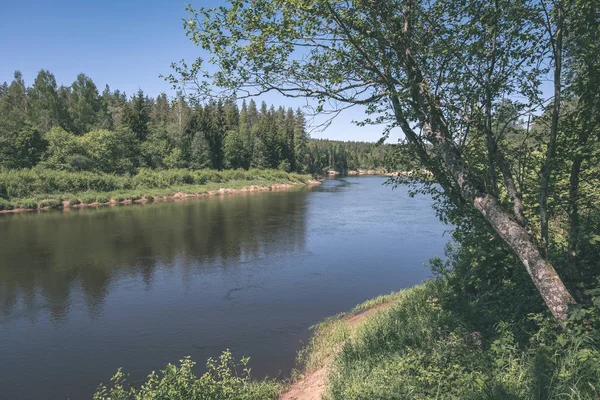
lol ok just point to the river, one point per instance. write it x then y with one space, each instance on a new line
83 292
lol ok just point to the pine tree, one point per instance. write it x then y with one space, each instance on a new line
197 131
231 115
136 116
255 144
161 110
300 142
246 136
3 88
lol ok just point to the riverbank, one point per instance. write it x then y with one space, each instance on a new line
31 190
419 346
311 383
383 172
415 344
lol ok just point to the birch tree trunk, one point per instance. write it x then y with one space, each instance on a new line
518 238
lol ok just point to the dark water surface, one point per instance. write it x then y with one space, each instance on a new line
84 292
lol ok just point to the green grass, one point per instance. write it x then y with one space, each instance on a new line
419 349
329 335
40 188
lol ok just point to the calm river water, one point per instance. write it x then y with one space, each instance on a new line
84 292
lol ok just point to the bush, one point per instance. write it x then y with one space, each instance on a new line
63 152
21 145
5 205
148 178
111 151
39 181
50 203
221 382
25 203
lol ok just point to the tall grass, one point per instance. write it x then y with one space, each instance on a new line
28 188
419 349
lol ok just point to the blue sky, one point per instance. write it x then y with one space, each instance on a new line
126 44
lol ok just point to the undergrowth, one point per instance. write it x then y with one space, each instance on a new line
224 380
43 188
422 348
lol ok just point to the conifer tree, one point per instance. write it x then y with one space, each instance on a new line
136 116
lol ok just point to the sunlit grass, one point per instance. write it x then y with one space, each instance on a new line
40 188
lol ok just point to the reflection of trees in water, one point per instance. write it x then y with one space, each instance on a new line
47 259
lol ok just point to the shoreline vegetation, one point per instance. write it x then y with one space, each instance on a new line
39 189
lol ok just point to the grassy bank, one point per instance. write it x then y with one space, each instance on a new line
41 188
423 349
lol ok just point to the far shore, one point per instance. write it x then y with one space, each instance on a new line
177 196
378 172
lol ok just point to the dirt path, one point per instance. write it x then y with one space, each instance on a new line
312 386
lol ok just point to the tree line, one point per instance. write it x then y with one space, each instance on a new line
77 128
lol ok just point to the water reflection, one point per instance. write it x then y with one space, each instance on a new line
47 259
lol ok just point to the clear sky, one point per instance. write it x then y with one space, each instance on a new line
126 44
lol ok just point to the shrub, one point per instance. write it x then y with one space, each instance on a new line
5 205
25 203
111 151
40 181
63 152
21 145
221 382
50 203
102 199
88 198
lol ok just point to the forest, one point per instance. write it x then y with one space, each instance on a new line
76 128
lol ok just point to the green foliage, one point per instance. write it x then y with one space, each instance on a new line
37 181
424 348
85 131
222 381
84 104
5 204
235 151
111 151
61 149
47 108
21 145
32 188
98 150
136 116
322 155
